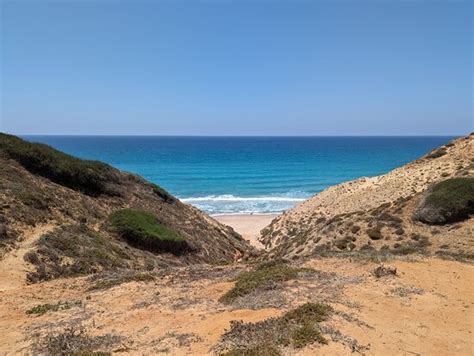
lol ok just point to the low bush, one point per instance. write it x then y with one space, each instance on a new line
259 350
306 335
440 152
74 340
296 328
116 279
374 234
264 276
142 229
449 201
44 308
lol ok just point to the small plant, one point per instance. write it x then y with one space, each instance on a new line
306 335
162 193
260 350
382 271
74 340
44 308
143 230
374 234
264 276
440 152
118 279
296 328
309 312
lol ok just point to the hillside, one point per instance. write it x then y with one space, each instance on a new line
56 214
388 213
99 261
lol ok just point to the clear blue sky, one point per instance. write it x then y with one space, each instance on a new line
237 68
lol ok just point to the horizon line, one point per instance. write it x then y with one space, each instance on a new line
238 136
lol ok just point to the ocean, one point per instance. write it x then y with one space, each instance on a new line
243 175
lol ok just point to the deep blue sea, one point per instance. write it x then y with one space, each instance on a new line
229 175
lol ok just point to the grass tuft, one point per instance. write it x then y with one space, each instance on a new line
264 276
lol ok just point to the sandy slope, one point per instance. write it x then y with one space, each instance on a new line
389 200
427 309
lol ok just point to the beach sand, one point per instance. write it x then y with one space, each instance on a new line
248 226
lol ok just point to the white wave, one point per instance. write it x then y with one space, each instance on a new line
230 204
233 198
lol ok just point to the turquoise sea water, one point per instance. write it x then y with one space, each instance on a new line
229 175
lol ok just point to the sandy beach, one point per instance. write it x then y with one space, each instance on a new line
248 226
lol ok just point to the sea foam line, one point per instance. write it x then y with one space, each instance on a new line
236 198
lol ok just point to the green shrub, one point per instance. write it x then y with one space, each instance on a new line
260 350
89 177
309 312
306 335
448 201
162 193
142 229
374 234
110 281
44 308
440 152
296 328
264 276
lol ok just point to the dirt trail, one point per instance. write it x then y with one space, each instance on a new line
13 268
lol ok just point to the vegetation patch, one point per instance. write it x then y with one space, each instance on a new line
142 229
440 152
259 350
76 250
90 177
44 308
114 279
374 234
162 193
264 276
297 328
449 201
382 271
74 340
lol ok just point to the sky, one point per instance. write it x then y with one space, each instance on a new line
225 67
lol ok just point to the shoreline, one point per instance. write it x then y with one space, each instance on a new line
247 225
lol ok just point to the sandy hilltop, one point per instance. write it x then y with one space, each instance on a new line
93 259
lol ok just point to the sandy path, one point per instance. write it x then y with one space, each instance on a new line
249 226
13 267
